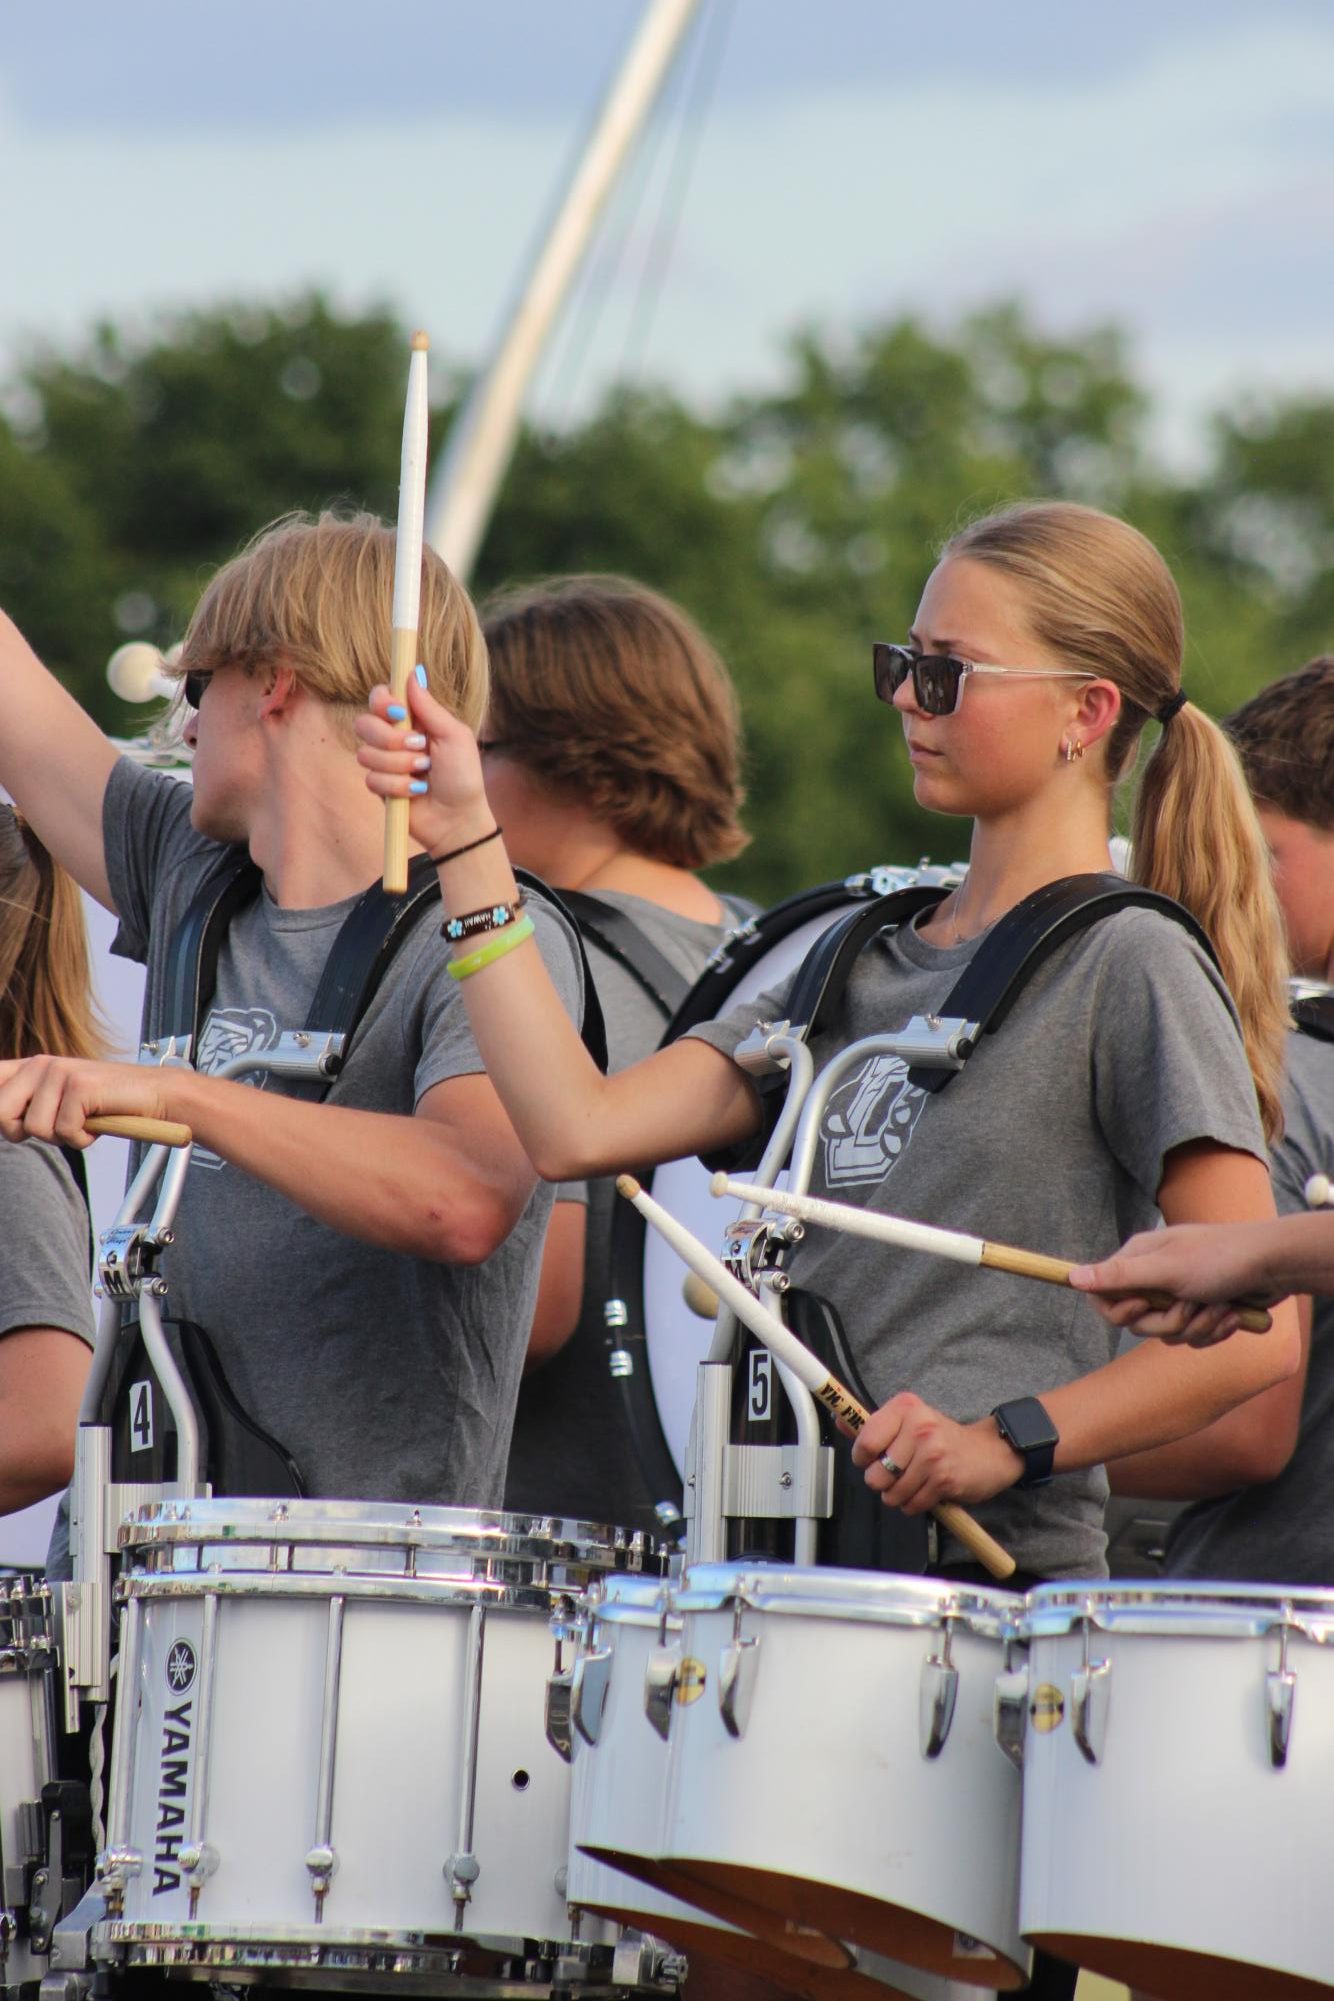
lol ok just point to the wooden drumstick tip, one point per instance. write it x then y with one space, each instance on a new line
718 1183
420 342
627 1185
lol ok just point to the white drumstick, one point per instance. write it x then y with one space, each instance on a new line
1319 1192
785 1347
407 590
955 1244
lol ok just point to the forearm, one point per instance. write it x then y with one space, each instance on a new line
403 1183
1292 1254
574 1123
1155 1395
1253 1442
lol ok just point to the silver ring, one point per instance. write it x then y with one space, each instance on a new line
891 1465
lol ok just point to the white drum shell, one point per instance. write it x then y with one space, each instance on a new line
1184 1832
26 1748
619 1793
400 1766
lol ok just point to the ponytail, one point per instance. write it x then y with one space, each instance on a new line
1098 594
1196 838
46 1005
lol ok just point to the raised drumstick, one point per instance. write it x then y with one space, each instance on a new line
407 591
153 1132
786 1348
906 1236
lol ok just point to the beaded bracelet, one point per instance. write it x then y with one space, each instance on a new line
494 918
494 948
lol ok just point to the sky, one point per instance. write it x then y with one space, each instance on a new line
1163 165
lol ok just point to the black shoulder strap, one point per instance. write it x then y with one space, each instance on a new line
617 934
593 1028
1314 1015
1027 935
78 1168
362 953
817 991
192 956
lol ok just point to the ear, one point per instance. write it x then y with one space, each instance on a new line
277 698
1096 711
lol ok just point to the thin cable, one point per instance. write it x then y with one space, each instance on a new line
712 41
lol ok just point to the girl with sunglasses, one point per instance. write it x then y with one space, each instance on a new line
1129 1083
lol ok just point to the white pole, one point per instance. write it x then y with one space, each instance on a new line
478 450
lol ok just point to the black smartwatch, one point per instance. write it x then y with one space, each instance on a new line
1025 1425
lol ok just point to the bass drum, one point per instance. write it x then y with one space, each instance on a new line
656 1341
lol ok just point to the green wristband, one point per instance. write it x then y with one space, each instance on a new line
494 948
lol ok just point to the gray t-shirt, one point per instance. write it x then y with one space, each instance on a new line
386 1377
572 1452
1123 1045
1283 1531
45 1275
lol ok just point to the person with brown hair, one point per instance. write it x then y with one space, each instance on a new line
365 1267
1048 637
612 754
46 1322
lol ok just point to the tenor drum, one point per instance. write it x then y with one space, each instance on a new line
828 1768
1178 1768
658 1342
620 1722
330 1748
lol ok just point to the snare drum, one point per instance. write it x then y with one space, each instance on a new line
330 1746
831 1771
620 1725
1178 1775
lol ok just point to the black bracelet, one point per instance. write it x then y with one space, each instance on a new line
454 853
494 918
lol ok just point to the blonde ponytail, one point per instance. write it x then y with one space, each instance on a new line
1099 596
1195 837
46 1005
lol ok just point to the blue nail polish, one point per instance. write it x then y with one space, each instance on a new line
396 713
417 787
420 672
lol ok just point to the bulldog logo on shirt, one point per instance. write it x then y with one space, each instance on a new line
868 1123
228 1033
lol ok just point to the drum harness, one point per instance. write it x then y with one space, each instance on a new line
737 1491
168 1398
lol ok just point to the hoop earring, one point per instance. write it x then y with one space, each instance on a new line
1072 750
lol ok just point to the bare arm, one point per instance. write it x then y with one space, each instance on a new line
54 762
42 1372
575 1123
560 1289
1149 1397
448 1183
1250 1444
1211 1267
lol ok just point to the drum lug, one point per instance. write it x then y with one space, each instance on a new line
660 1688
461 1872
588 1692
115 1868
935 1706
1090 1693
1010 1713
737 1669
560 1713
1280 1694
322 1862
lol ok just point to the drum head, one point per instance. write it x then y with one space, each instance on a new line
662 1341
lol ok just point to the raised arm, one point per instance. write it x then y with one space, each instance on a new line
574 1123
54 762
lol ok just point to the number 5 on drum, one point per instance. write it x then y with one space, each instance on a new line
826 1389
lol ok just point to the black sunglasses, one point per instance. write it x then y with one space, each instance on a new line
194 683
938 678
